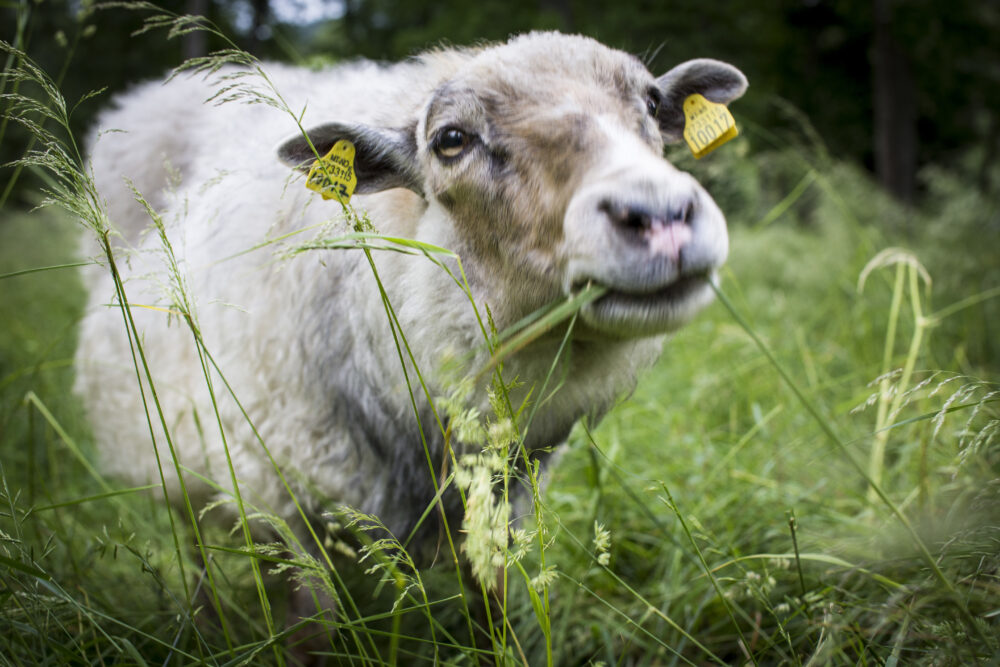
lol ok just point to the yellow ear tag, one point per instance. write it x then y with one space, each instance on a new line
707 125
333 174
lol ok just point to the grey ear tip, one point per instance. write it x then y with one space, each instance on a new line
285 150
741 83
741 76
727 79
294 152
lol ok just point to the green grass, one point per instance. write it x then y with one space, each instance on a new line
809 476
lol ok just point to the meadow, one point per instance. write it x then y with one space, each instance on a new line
810 475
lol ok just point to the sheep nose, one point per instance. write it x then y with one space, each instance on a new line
664 231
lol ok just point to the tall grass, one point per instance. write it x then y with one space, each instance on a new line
809 476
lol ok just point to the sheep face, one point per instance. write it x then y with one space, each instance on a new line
545 155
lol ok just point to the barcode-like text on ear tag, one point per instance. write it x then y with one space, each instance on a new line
707 125
333 174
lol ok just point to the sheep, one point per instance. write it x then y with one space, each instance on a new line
538 161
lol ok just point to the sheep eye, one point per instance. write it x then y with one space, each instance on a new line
653 102
451 143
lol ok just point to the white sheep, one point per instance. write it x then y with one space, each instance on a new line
538 161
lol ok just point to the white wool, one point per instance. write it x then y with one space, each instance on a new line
303 341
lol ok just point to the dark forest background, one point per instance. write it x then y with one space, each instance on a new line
894 86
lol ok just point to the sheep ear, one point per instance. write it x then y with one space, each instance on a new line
716 80
384 158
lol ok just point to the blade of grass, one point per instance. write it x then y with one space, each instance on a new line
24 272
637 595
669 502
100 496
843 450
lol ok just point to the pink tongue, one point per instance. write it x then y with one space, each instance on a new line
667 238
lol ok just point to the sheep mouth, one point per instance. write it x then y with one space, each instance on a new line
643 311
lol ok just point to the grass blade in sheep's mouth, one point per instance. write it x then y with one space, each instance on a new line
678 290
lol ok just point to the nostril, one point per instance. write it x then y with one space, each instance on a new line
682 213
637 220
615 212
630 217
657 229
638 217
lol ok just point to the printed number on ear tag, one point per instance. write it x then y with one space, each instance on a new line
707 125
333 174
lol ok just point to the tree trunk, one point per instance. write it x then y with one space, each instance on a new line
260 10
194 44
895 110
